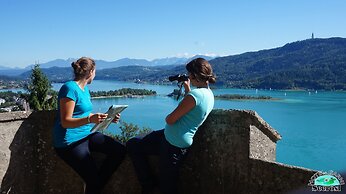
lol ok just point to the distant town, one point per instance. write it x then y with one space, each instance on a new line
11 101
12 84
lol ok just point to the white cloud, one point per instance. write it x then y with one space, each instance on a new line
189 55
186 55
209 54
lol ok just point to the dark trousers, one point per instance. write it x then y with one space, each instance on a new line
77 155
170 156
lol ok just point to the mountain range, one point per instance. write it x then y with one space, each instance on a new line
316 64
102 64
308 64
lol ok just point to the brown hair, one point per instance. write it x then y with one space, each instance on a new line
201 70
82 67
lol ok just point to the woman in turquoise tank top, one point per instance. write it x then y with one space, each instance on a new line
73 140
172 143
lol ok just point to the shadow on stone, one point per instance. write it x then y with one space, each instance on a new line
33 166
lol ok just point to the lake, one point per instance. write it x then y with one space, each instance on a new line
312 124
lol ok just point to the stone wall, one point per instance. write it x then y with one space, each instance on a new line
233 152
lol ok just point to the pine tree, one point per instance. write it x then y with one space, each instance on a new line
41 95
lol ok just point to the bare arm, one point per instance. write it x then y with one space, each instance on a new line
187 104
66 111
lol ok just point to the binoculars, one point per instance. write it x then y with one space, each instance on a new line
179 77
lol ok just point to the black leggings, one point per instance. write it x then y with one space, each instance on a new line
77 155
171 158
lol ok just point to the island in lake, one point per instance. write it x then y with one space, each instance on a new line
124 92
243 97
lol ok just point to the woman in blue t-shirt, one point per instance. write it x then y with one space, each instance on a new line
172 143
73 140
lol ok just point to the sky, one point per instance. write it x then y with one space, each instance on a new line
41 31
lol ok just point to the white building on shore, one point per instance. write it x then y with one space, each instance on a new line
2 101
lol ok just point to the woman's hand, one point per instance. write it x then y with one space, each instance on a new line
97 117
116 118
187 86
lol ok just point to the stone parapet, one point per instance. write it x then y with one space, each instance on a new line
233 152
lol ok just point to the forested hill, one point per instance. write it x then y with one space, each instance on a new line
308 64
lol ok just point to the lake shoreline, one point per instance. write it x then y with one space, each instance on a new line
121 96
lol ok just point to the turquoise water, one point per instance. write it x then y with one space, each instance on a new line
312 124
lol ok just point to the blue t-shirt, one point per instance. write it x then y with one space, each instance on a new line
63 137
181 133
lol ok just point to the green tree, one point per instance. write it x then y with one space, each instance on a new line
128 130
41 95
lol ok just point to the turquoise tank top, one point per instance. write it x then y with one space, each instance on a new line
181 133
